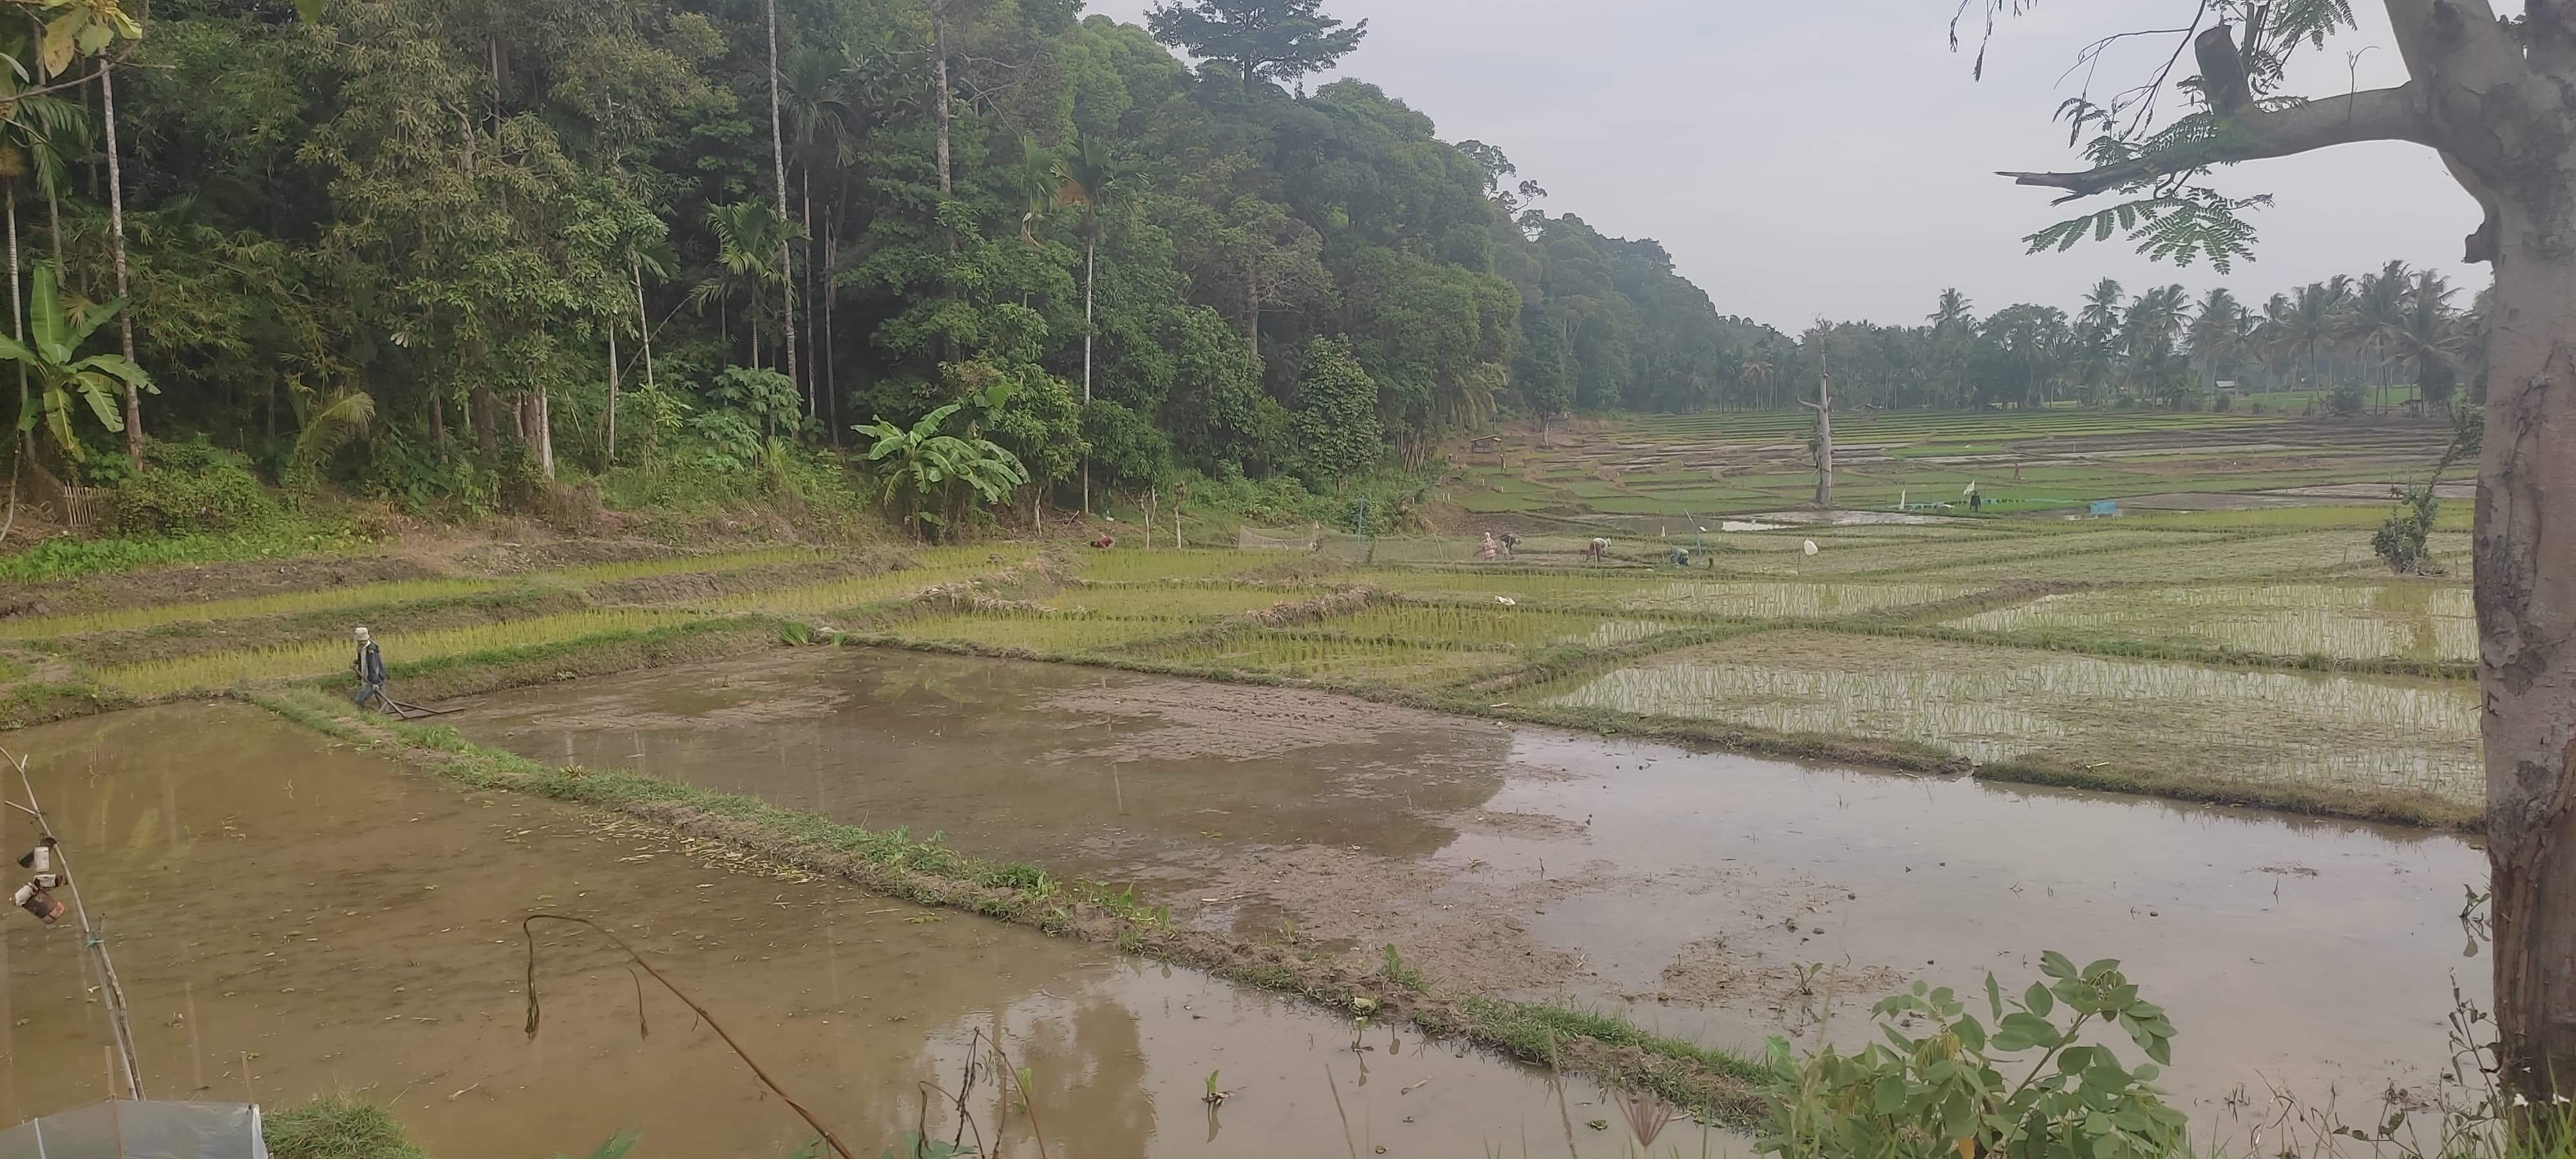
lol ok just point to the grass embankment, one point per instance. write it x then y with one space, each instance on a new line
893 863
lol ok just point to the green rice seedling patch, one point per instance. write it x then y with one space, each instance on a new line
1534 588
2411 620
1964 551
1042 632
1994 704
1491 626
273 604
1667 592
1173 600
844 594
320 658
1330 659
684 564
2199 559
1124 566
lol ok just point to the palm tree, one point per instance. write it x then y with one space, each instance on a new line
816 116
2313 318
2379 306
1954 333
778 161
751 239
1088 177
52 355
2217 331
2097 332
2427 336
1034 183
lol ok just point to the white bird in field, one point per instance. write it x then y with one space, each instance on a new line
1506 601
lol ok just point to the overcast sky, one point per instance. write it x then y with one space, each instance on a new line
1802 159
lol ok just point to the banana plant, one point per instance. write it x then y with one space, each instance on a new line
55 333
921 468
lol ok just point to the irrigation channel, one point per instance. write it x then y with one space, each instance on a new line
1713 897
293 917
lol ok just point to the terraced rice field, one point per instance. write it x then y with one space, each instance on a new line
218 670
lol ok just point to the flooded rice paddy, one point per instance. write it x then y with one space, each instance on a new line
1991 703
1712 896
291 918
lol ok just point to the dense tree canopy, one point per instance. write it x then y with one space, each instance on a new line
466 211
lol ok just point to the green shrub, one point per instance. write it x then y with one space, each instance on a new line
336 1127
192 489
1945 1092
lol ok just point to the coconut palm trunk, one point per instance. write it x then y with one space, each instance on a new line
778 164
116 234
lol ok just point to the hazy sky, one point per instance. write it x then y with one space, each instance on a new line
1803 158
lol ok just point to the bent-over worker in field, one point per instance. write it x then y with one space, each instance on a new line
1598 550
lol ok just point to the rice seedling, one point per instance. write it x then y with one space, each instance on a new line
687 564
841 595
1123 565
1664 594
1173 599
1036 631
320 658
276 603
1331 659
2411 620
2194 560
1993 703
1489 626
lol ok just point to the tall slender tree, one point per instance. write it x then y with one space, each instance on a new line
1088 178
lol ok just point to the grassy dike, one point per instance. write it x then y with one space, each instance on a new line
1717 1084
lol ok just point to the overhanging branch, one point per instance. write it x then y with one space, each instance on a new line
2392 114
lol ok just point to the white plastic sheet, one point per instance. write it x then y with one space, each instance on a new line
126 1129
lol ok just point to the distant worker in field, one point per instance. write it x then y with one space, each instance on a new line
1598 550
1490 547
1680 556
1510 541
1105 542
370 668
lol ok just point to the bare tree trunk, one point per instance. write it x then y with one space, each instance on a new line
805 200
116 232
643 324
1824 408
823 361
778 164
2526 601
478 414
1089 248
438 426
612 396
17 307
939 88
544 422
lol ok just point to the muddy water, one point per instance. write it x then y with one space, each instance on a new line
1688 888
292 918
